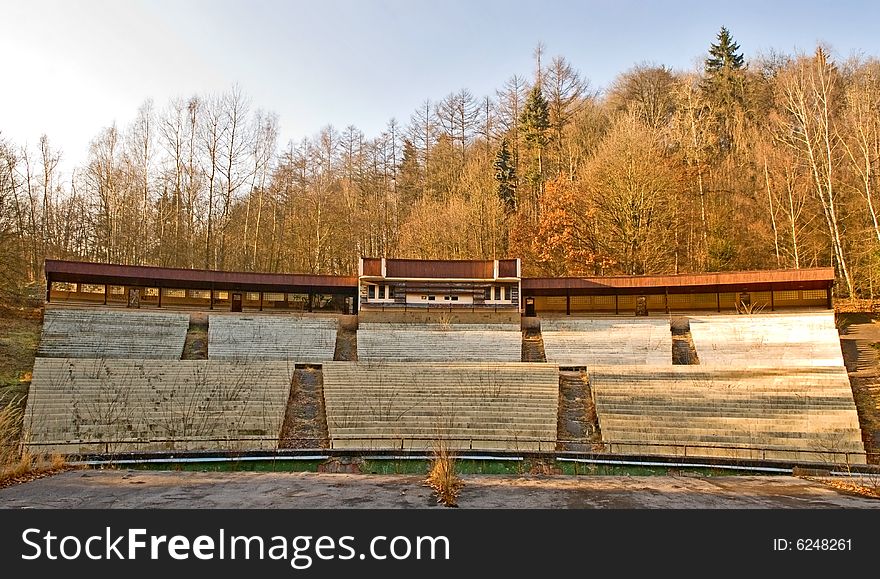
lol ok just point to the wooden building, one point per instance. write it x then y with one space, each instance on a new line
146 286
416 284
406 286
764 290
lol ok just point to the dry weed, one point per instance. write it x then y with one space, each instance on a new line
442 476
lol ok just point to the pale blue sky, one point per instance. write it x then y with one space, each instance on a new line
72 67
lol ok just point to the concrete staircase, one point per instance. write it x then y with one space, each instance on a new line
767 340
99 333
578 342
299 339
804 414
412 342
91 405
411 405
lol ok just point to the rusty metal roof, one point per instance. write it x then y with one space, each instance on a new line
59 270
779 279
481 269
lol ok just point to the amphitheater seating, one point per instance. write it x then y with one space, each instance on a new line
296 338
411 405
607 341
89 405
96 333
805 414
767 340
413 342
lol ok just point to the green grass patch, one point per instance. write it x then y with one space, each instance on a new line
397 466
233 466
19 338
588 469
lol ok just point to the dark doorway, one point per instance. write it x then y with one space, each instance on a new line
134 298
236 302
530 307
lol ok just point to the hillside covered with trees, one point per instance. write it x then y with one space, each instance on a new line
769 162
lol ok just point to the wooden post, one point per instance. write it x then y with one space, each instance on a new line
160 296
718 300
261 301
666 299
105 294
772 304
48 290
567 302
616 309
828 297
211 307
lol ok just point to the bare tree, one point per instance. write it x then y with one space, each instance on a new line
809 91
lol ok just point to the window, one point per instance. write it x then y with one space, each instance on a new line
174 293
151 292
273 297
252 296
454 298
379 292
200 294
432 298
498 293
91 288
61 286
116 290
786 296
221 295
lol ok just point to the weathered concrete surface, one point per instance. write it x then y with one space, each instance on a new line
165 489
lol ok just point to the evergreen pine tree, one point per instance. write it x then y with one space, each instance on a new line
724 55
724 85
535 118
409 175
505 174
534 124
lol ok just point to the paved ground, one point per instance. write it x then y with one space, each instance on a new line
155 489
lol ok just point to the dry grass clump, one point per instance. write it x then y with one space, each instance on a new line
442 476
10 428
15 465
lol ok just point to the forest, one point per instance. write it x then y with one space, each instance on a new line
765 163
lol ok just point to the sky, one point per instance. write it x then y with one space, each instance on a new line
71 68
